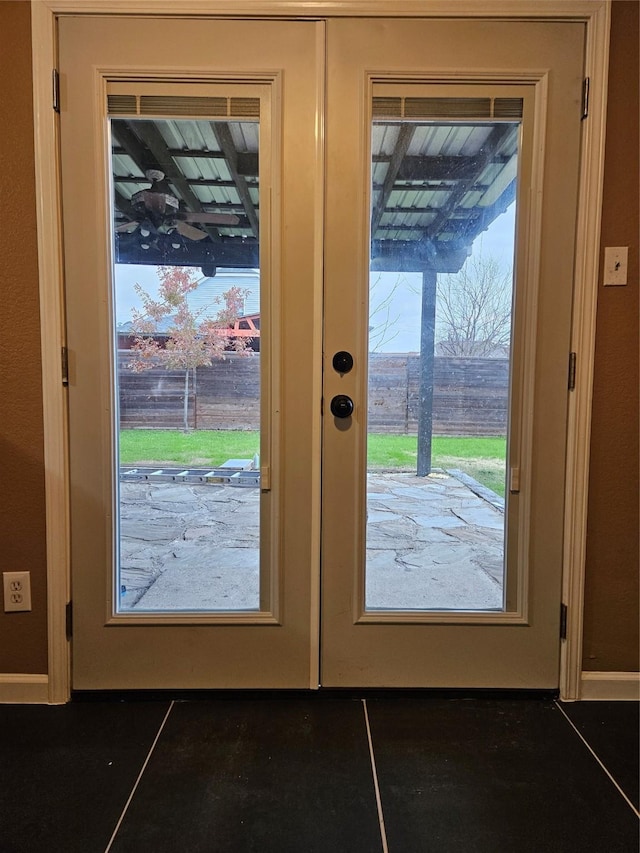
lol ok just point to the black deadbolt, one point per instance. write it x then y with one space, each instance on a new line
342 362
342 406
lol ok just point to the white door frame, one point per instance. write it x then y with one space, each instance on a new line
44 13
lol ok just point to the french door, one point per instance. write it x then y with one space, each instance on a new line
253 212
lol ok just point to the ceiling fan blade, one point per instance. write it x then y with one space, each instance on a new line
127 227
190 232
211 218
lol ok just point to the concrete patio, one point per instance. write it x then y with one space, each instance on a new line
432 543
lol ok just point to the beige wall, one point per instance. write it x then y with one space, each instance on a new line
23 636
611 601
611 635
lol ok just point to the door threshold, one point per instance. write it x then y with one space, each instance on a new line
354 694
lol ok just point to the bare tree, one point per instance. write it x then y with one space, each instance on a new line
383 321
473 316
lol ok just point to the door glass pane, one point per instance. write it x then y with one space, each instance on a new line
440 329
186 302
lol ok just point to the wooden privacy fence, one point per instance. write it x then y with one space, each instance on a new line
470 395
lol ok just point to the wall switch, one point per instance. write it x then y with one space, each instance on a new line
17 591
615 265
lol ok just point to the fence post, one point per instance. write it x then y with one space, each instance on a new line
427 352
195 398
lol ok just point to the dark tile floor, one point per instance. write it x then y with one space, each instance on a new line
309 774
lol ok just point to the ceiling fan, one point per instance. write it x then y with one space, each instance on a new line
157 211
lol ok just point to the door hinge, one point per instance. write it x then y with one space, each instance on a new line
64 362
563 621
69 619
56 90
586 83
572 370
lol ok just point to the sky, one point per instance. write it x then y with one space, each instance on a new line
126 276
403 309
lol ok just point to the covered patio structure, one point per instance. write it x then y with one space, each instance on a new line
443 169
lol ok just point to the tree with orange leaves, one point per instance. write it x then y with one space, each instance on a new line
167 331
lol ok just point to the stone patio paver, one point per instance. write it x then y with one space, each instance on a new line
432 543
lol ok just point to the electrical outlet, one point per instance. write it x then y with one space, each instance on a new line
17 591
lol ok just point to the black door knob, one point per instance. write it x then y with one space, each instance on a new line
343 362
342 406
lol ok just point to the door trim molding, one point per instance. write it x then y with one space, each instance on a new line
583 340
573 10
53 338
44 14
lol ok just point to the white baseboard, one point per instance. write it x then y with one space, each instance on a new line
610 686
24 689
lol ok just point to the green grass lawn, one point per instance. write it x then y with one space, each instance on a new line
481 458
192 449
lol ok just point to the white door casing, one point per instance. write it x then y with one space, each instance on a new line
595 15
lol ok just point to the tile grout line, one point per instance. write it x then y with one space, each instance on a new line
600 762
383 834
137 782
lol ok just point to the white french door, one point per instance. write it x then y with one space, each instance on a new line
159 118
402 603
302 166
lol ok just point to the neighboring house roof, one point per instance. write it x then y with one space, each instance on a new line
207 299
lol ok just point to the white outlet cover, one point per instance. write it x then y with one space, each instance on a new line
17 591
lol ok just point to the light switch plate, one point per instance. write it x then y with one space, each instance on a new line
615 265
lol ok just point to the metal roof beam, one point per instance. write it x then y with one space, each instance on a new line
405 136
243 253
152 138
216 182
423 186
193 182
417 209
239 252
476 224
417 256
437 168
225 140
246 162
480 161
132 147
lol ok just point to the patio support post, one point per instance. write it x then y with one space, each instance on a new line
427 351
